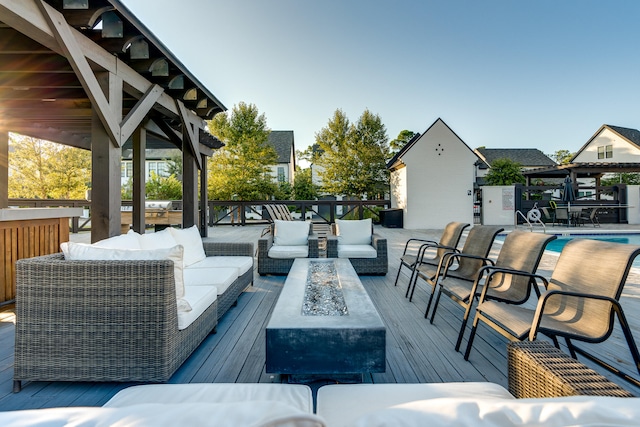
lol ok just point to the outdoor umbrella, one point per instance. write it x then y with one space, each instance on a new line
568 195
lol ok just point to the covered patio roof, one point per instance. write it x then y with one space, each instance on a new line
89 74
582 170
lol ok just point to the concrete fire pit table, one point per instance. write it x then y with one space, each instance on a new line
324 323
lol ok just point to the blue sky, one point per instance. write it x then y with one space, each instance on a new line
501 73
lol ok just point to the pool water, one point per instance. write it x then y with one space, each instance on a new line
558 244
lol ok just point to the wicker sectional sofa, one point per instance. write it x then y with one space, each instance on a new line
114 320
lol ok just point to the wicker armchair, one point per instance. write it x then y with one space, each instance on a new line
363 266
269 265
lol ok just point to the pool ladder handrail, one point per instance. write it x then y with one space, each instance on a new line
525 219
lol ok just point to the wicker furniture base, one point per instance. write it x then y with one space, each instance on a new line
538 369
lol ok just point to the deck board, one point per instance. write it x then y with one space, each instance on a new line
417 351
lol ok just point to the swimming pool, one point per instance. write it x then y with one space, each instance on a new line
558 244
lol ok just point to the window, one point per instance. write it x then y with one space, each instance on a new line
160 168
605 152
280 174
126 169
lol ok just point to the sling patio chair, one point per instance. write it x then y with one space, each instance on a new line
521 252
415 248
467 262
580 303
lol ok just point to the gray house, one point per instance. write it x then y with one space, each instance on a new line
528 158
283 142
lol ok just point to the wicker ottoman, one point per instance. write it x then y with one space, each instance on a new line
538 369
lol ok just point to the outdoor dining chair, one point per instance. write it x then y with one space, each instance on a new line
464 264
415 248
581 301
521 252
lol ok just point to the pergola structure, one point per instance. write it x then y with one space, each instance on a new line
581 170
88 74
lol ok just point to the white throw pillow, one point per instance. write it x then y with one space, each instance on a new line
192 242
82 251
123 241
354 232
290 233
158 240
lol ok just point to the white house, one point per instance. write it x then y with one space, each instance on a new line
432 179
282 141
610 144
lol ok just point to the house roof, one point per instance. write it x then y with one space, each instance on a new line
526 157
631 135
282 141
392 164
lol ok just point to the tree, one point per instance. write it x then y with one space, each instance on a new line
562 157
401 140
303 186
505 172
620 178
46 170
352 156
242 168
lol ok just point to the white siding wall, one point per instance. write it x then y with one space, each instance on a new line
439 180
498 205
623 151
398 181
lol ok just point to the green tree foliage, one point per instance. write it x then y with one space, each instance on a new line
401 140
242 168
45 170
303 186
562 157
352 156
620 178
163 188
505 172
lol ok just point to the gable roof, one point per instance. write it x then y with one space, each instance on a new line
630 135
282 141
397 158
526 157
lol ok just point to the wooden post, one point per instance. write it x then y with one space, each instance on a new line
204 199
4 168
189 186
139 179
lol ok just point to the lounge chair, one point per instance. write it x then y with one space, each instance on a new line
580 302
287 241
414 249
521 252
355 239
475 250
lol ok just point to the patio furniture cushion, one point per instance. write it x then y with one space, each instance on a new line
192 241
288 252
221 277
356 251
297 395
199 299
123 241
231 414
496 412
242 263
83 251
159 239
343 404
354 232
290 233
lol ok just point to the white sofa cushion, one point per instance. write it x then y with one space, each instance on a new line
354 232
159 239
199 298
479 411
83 251
356 251
290 233
343 404
288 252
123 241
221 277
242 263
192 242
231 414
296 395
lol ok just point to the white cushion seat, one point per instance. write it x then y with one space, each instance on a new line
199 298
354 232
288 252
356 251
242 263
220 277
290 233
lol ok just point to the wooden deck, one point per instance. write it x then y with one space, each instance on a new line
416 350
